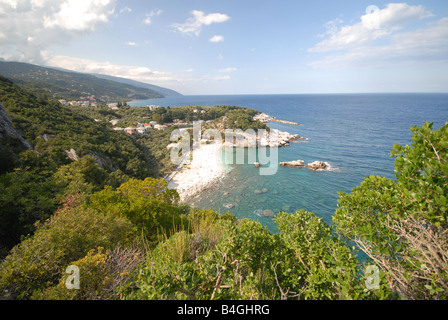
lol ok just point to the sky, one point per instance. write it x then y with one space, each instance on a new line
206 47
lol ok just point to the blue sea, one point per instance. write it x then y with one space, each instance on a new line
353 132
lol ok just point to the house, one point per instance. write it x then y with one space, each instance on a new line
159 127
147 125
153 123
142 130
63 102
130 130
112 106
114 122
153 107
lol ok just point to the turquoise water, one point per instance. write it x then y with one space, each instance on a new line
353 132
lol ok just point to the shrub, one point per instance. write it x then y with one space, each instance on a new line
401 225
101 274
37 262
148 204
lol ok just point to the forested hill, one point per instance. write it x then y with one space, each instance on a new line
73 85
34 181
163 91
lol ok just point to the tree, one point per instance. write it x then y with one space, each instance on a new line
25 197
82 176
148 204
401 225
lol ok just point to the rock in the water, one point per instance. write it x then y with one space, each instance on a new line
229 206
317 165
258 191
295 163
268 213
265 190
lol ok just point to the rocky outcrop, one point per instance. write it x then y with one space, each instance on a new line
295 163
277 138
268 213
285 138
7 130
316 165
71 154
263 117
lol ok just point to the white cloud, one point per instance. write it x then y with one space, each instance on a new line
28 28
194 24
138 73
177 82
125 10
374 25
79 15
219 78
147 20
130 43
153 13
227 70
216 39
358 45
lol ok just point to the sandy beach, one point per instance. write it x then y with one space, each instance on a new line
205 168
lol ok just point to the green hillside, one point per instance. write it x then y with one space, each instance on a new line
72 85
163 91
44 175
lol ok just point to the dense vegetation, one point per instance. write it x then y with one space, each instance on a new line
33 182
219 117
132 239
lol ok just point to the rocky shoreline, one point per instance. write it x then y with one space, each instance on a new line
263 117
246 140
